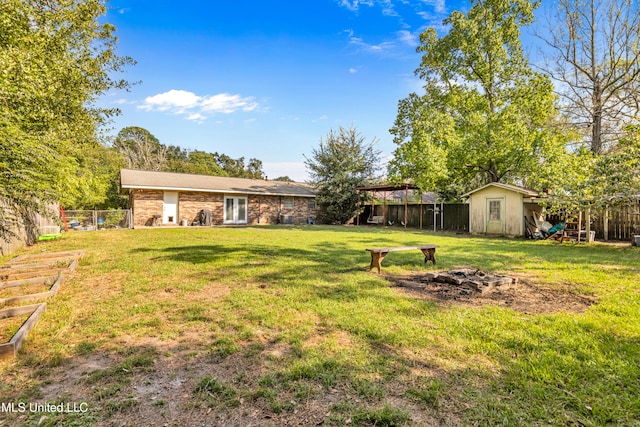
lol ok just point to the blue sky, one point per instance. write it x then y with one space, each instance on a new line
268 79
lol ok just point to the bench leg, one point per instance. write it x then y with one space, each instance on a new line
376 260
429 255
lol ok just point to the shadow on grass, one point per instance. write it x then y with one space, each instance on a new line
547 370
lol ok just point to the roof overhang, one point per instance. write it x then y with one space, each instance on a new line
388 187
208 190
524 191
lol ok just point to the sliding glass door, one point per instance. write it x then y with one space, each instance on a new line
235 210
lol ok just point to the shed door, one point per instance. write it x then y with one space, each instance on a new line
170 208
495 216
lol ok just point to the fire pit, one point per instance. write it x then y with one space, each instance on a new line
470 287
472 279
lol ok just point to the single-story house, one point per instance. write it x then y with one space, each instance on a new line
501 209
177 198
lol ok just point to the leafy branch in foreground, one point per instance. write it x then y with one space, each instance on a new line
56 59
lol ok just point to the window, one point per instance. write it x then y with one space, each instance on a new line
287 202
311 205
494 210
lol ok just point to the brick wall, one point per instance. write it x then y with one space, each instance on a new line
269 209
260 210
190 204
301 210
145 204
263 210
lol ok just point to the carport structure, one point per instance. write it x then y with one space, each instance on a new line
385 189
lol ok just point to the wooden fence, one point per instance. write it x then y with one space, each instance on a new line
443 216
25 234
620 223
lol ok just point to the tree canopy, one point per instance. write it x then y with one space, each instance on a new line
342 162
593 54
56 59
485 115
140 149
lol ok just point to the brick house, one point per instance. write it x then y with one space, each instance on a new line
176 198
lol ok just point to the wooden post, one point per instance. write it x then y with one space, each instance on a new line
373 206
358 211
384 209
587 222
579 224
406 202
434 214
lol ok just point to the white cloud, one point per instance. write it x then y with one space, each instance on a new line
408 38
374 48
319 119
388 9
197 108
354 5
196 117
226 103
353 70
438 5
430 13
174 100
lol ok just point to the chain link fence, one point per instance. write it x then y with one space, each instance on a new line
98 219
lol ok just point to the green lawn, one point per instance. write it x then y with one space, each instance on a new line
280 324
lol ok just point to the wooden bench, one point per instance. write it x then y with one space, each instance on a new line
378 254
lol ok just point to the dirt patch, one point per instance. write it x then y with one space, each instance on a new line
164 392
524 295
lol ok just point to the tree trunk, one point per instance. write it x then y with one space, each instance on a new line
596 125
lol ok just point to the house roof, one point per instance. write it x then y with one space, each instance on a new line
524 191
131 179
403 187
398 193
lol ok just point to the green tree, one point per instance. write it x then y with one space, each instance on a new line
485 115
56 59
342 162
99 180
200 162
616 177
141 149
593 53
254 169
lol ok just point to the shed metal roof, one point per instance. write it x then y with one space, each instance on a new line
131 179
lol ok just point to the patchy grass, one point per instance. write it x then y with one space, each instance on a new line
285 323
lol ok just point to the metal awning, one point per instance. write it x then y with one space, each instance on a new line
384 188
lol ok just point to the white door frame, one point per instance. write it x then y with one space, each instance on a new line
170 207
235 209
495 221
